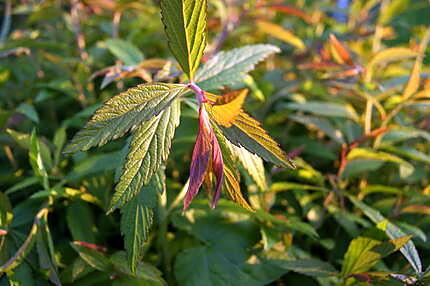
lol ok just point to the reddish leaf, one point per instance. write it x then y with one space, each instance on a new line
340 50
217 167
200 158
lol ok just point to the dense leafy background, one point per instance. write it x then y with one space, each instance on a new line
348 96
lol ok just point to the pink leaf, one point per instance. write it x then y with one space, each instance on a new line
200 158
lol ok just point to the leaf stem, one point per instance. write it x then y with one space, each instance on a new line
200 93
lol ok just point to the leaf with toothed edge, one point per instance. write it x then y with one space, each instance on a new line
231 176
229 67
244 131
149 148
185 27
137 217
123 113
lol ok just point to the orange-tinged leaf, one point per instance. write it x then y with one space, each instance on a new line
281 33
339 52
225 108
289 10
414 79
232 188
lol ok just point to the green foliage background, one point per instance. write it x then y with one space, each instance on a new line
348 96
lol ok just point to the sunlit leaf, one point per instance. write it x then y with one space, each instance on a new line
364 252
281 33
185 26
387 56
124 112
229 67
149 148
125 51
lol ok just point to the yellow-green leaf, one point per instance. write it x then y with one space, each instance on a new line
185 26
149 148
281 33
123 113
387 56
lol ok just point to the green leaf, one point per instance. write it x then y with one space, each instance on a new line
23 140
206 266
125 51
80 221
231 184
93 257
247 132
36 160
409 250
148 150
325 109
387 56
185 26
322 124
365 252
362 153
310 266
29 111
137 218
6 214
124 112
145 274
252 164
45 250
229 67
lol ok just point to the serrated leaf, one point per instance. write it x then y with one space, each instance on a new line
409 250
229 67
185 26
136 220
123 113
149 148
386 56
226 108
125 51
231 184
242 130
364 252
281 33
247 132
252 164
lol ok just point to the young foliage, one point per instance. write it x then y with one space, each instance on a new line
185 25
152 112
123 113
226 68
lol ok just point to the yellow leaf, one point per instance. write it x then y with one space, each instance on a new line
386 56
225 108
414 79
281 33
232 188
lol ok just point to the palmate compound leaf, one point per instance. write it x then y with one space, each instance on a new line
243 130
229 67
123 113
185 26
137 218
149 148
